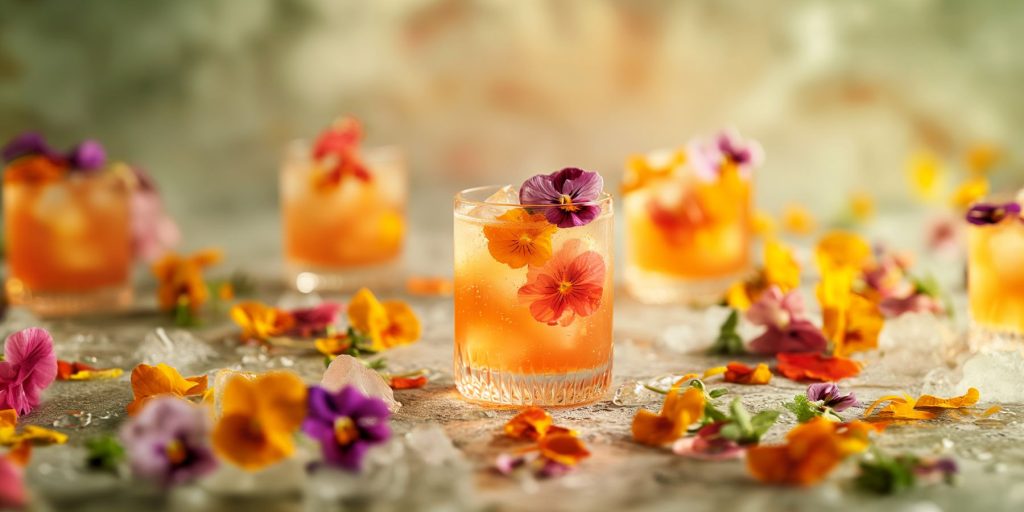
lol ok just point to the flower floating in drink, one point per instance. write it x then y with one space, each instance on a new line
533 290
688 220
995 275
343 208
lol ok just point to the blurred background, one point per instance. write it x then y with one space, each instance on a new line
205 94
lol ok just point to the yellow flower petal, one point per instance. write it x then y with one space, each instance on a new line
926 174
368 316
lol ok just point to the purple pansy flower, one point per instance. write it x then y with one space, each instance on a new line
785 328
168 442
828 393
708 157
88 155
346 424
986 213
945 468
314 320
572 191
543 467
28 143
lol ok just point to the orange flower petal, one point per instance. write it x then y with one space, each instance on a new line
367 315
149 381
679 411
811 451
968 399
259 417
259 321
334 345
740 373
530 424
519 238
814 366
563 448
403 325
8 418
408 382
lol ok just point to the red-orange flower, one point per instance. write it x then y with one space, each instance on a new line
570 284
740 373
337 148
814 366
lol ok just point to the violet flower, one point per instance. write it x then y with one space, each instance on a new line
828 393
945 468
168 442
314 320
346 424
785 328
985 213
572 191
710 157
88 155
28 143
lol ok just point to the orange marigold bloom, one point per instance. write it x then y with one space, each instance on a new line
520 239
258 419
563 448
814 366
388 324
259 321
180 278
811 452
740 373
152 381
680 410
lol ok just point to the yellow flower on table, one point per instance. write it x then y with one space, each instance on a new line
152 381
388 324
812 450
680 410
258 419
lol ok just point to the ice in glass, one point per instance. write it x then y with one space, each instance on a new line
995 274
533 296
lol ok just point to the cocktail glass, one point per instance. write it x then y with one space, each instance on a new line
995 282
533 302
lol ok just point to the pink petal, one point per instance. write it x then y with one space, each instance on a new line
697 448
12 485
31 366
799 336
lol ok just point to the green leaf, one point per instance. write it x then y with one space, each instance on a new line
104 454
729 342
716 393
740 416
763 421
886 475
804 409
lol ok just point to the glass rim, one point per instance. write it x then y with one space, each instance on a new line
461 198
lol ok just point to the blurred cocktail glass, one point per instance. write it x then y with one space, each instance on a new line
67 236
995 273
343 210
533 301
688 221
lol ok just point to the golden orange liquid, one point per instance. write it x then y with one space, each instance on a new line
356 223
495 331
696 230
995 276
68 236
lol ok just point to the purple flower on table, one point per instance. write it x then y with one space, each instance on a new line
829 395
346 424
310 321
985 213
507 464
168 442
552 469
572 193
944 468
786 330
28 143
88 155
709 157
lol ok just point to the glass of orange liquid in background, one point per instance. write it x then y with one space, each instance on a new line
67 229
995 274
533 297
343 210
688 220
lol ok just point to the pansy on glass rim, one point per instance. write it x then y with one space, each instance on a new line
568 196
982 214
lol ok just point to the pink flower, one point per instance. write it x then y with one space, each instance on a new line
30 367
310 321
153 230
786 328
913 303
708 444
569 284
12 484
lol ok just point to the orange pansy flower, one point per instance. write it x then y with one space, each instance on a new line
563 448
842 249
259 321
258 419
740 373
856 327
907 408
180 279
641 170
388 324
520 238
530 424
152 381
811 452
333 346
680 410
814 366
34 169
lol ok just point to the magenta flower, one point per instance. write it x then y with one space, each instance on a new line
985 213
709 158
314 320
88 155
29 367
572 191
708 444
786 330
543 467
944 468
28 143
347 424
154 232
12 485
829 395
168 442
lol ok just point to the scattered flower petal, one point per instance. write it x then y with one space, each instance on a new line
812 450
815 366
149 382
388 324
740 373
29 367
680 410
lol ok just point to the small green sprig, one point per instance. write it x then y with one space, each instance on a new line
744 428
805 410
729 342
104 454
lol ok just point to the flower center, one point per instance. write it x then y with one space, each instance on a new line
176 452
564 287
525 239
566 201
345 431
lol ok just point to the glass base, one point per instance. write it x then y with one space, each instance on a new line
985 338
311 278
55 304
658 288
504 388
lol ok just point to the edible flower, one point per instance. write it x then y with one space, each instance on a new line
29 367
570 284
74 370
711 158
314 320
520 238
926 174
259 321
337 149
562 448
887 475
983 214
30 435
258 419
798 220
180 285
642 170
708 444
822 399
532 424
168 442
816 366
333 346
680 410
812 450
781 269
346 424
842 250
739 373
414 380
786 329
88 155
856 327
923 408
571 191
969 192
388 324
12 484
149 382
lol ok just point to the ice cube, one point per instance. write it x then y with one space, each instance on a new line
504 196
433 445
999 376
911 345
177 348
346 370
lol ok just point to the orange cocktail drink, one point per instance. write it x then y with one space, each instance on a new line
995 274
533 301
688 223
343 211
